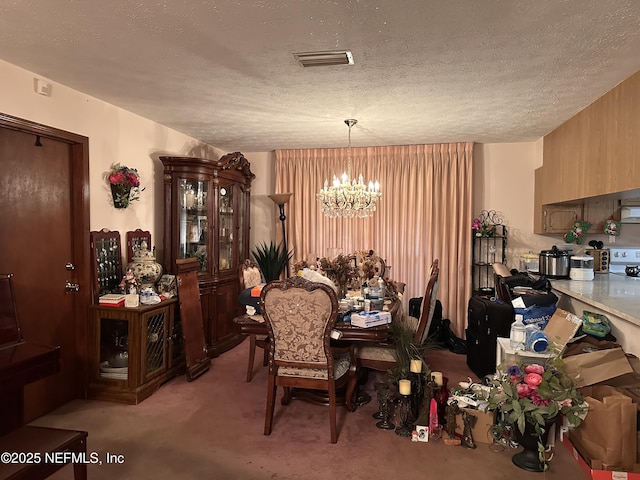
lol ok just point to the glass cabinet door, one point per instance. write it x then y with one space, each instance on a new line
225 230
114 349
242 226
194 221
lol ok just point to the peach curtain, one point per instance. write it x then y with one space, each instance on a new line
424 213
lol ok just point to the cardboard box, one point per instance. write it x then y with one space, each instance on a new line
561 328
596 367
370 319
481 431
593 467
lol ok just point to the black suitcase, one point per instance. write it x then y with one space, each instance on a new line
488 319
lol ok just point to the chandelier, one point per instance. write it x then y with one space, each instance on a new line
348 198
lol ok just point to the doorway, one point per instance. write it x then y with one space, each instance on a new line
44 243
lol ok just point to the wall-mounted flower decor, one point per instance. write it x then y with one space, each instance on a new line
125 185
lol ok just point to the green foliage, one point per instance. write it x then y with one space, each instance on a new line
405 350
271 259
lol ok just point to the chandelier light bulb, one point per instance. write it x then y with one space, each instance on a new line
351 198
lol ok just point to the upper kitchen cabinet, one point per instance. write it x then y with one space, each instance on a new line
207 217
590 161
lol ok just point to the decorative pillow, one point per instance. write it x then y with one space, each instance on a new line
314 276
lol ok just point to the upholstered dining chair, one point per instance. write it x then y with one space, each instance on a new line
250 276
381 356
300 316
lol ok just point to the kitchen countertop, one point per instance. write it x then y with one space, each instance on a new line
616 294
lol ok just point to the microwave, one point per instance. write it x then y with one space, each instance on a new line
601 259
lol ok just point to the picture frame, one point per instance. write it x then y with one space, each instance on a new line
423 433
167 286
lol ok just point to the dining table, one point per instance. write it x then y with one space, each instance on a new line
255 325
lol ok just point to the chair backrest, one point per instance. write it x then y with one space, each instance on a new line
300 316
428 304
500 273
250 275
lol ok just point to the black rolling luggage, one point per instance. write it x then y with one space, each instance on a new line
487 320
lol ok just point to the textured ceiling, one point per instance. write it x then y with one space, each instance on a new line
425 71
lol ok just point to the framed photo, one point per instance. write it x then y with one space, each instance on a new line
423 433
167 286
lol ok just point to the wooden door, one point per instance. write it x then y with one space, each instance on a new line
44 243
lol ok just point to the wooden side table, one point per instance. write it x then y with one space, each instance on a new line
40 451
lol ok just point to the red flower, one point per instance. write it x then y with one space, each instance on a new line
523 390
533 380
538 400
534 368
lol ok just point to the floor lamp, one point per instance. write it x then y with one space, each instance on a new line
281 199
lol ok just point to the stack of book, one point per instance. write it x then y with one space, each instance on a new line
112 300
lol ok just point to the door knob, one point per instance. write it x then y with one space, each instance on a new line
71 287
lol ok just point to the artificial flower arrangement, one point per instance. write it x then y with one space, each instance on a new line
370 266
482 227
341 270
125 185
536 394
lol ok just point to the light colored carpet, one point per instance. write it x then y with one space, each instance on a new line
211 428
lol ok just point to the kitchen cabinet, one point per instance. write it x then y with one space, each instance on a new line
597 212
593 153
486 251
207 217
133 350
560 218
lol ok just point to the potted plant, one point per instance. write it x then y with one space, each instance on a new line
271 259
532 397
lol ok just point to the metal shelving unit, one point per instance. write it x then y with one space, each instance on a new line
489 245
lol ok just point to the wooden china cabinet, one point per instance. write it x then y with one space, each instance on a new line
207 217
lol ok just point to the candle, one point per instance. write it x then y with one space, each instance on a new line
405 387
416 366
437 377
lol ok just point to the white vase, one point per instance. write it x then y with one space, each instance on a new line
145 268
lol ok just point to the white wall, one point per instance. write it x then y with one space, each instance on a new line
115 135
504 181
264 213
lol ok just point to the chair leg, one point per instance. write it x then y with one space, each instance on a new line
286 397
252 354
350 395
332 412
271 403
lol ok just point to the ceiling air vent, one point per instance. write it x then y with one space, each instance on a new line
320 59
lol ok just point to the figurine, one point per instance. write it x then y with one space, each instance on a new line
467 436
451 411
129 283
423 413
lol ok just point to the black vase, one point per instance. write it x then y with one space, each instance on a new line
529 459
120 194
